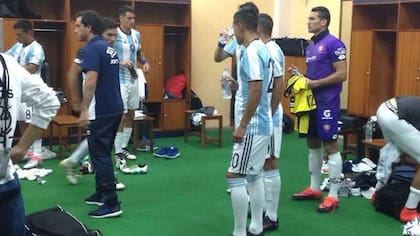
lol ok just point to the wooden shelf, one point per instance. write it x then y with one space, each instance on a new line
409 15
367 2
375 16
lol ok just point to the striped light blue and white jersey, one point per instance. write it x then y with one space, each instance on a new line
32 53
277 70
231 46
253 65
127 46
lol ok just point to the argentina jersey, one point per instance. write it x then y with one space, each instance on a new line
277 69
127 46
32 53
254 66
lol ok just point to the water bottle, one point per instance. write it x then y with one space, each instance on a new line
226 90
226 35
368 130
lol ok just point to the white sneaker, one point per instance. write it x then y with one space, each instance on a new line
128 155
136 169
120 163
48 154
412 228
119 186
69 168
33 162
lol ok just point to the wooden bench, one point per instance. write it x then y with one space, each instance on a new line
374 144
64 122
142 120
202 133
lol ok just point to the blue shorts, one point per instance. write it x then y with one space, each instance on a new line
323 121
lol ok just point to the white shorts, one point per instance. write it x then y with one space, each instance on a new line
248 157
130 95
24 113
274 146
398 131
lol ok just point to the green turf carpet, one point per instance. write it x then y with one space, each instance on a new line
187 196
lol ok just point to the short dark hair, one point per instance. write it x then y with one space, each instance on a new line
110 23
265 23
323 13
249 6
24 25
93 19
248 18
124 9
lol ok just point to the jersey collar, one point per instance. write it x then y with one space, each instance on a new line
320 36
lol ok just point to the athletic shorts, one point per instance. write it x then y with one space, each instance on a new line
130 95
275 140
323 121
249 156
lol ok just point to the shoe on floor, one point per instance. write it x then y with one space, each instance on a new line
307 194
161 152
269 225
125 154
69 169
48 154
330 204
145 147
136 169
407 215
172 153
412 228
119 186
251 234
106 211
34 162
94 199
120 162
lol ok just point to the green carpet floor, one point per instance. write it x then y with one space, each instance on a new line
187 196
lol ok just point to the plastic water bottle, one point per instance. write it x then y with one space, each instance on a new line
368 130
226 35
226 90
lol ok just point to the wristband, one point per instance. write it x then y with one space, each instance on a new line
143 61
221 45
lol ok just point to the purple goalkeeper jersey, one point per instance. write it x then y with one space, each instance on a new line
320 56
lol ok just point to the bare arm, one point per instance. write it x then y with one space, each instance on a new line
88 91
254 96
339 75
31 134
75 86
278 88
220 55
31 68
143 60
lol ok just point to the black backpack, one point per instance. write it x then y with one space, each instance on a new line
56 222
292 46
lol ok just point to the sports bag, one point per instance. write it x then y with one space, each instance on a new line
292 46
391 198
56 222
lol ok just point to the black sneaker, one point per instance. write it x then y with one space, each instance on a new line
269 225
94 199
105 211
251 234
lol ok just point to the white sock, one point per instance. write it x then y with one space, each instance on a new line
335 165
126 136
315 165
413 198
256 196
37 148
272 186
239 199
79 153
118 142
